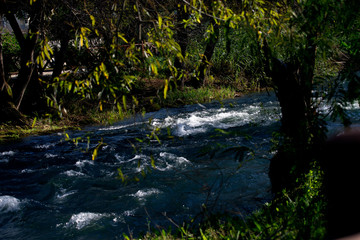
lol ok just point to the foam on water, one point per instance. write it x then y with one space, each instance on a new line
8 153
5 155
27 171
112 128
83 219
129 213
142 194
176 159
224 118
44 146
83 163
170 160
9 204
49 155
135 158
72 173
64 194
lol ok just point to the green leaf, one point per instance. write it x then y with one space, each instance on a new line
121 175
95 153
9 90
92 20
166 88
122 37
160 21
34 122
124 102
152 162
203 235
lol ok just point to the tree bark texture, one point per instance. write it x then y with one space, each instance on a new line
27 92
3 82
60 57
300 128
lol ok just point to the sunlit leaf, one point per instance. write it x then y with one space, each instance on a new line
95 153
160 21
34 122
121 175
166 88
124 102
92 20
153 162
122 37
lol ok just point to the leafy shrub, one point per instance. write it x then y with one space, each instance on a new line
11 52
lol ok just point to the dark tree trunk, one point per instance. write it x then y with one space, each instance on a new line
27 92
300 128
27 85
8 112
60 57
292 155
3 83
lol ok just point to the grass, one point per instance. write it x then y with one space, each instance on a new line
50 124
298 214
9 132
193 96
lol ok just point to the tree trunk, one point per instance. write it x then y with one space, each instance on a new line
292 155
8 112
27 92
3 82
300 128
60 57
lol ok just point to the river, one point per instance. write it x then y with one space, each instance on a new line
50 188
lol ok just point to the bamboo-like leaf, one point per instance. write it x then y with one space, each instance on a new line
121 175
96 150
166 88
9 90
160 21
95 153
86 42
100 106
124 102
120 110
152 162
92 20
122 37
34 122
104 71
47 53
154 68
81 40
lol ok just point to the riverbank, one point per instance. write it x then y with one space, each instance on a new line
149 99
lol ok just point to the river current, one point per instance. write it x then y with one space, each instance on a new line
50 188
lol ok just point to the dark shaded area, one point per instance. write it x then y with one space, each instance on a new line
341 164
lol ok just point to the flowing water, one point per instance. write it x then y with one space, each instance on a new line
51 189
